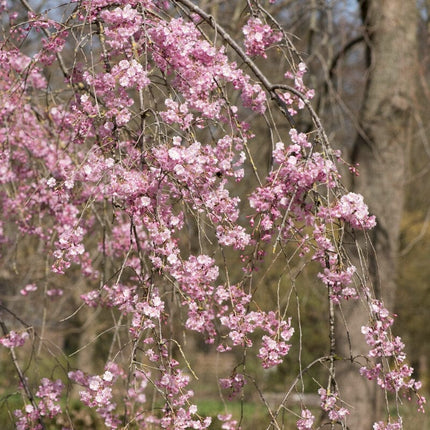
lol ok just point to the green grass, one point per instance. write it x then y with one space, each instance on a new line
251 413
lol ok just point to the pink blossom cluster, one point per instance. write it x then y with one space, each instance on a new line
259 36
98 392
397 425
69 245
39 21
351 209
122 23
136 396
52 45
49 392
234 384
288 185
284 203
195 170
111 89
293 101
228 423
306 421
178 113
14 339
145 314
16 63
199 68
329 403
274 349
172 384
93 8
48 406
241 323
53 41
36 197
130 74
397 378
29 288
183 419
178 413
339 282
196 278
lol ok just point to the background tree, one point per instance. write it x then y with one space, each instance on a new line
381 149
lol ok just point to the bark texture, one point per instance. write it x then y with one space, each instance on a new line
391 30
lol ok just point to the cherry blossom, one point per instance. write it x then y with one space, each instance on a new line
398 376
47 405
227 422
329 403
398 425
306 421
259 36
14 339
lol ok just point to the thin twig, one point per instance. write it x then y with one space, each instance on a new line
296 380
21 376
47 34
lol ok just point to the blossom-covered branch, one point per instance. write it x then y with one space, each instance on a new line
134 177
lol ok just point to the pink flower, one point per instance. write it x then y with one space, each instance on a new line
352 209
235 383
272 351
227 422
14 339
329 404
397 425
258 37
307 420
28 289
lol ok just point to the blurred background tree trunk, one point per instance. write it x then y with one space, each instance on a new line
386 117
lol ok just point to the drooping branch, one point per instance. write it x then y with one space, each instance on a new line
269 87
315 118
23 380
60 58
143 186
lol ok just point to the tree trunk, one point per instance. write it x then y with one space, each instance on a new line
391 29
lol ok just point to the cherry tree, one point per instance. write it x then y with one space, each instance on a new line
126 131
